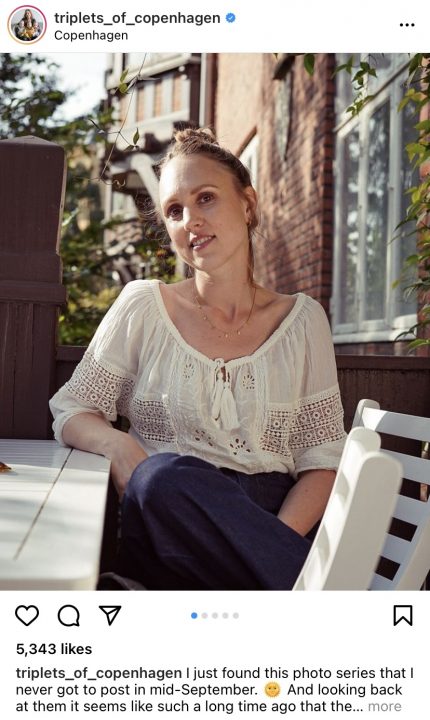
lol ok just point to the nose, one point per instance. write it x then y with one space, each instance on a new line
191 219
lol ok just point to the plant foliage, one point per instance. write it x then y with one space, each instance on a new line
31 104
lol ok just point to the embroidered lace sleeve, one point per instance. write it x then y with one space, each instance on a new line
317 434
103 381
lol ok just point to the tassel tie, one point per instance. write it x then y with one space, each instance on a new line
224 413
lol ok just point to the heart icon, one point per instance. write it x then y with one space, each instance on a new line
27 613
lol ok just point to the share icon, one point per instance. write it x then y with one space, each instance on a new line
111 611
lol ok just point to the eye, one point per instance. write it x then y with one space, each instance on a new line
174 212
205 197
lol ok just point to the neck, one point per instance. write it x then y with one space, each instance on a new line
231 299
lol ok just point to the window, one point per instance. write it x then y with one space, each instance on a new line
249 158
372 174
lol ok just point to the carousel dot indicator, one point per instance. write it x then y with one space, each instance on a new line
235 615
194 615
214 615
225 615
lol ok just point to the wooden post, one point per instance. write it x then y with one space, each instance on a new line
32 179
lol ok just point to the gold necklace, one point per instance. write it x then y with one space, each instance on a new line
214 327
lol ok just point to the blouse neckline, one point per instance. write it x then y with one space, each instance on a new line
276 334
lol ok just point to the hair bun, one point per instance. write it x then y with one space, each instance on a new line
195 136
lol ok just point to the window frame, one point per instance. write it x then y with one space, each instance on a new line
394 322
250 157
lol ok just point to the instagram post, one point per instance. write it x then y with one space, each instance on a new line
214 367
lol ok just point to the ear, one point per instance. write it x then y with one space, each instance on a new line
250 197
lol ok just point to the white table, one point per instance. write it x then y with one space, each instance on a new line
52 507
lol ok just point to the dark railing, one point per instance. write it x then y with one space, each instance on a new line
400 384
32 175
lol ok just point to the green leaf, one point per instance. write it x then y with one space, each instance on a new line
136 137
346 66
413 149
350 64
123 75
122 87
309 63
420 342
415 63
424 125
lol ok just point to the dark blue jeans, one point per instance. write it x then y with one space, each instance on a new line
187 525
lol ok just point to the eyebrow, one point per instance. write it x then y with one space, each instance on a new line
194 191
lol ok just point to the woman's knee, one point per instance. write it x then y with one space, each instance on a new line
150 477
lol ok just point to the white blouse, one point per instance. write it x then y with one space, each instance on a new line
277 409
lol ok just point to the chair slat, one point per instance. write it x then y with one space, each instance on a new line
413 556
414 468
410 510
381 583
407 426
395 549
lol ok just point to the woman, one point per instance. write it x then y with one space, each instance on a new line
231 392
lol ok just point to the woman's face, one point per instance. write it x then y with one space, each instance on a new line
205 214
28 15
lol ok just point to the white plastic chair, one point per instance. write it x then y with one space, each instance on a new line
408 559
352 531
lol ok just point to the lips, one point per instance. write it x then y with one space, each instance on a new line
201 241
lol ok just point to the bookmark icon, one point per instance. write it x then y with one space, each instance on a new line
402 613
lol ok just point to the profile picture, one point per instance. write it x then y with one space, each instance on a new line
27 24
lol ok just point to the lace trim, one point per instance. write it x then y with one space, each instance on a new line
315 421
151 419
318 420
100 387
277 431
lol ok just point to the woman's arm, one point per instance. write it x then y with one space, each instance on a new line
87 431
306 502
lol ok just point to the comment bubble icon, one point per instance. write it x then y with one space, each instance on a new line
68 615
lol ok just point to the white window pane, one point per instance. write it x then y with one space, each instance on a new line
377 213
349 227
249 158
134 60
409 178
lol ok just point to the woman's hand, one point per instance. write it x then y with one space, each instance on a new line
90 432
125 455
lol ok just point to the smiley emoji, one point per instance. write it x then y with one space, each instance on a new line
272 689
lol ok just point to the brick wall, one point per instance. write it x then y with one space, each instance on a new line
240 77
294 247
